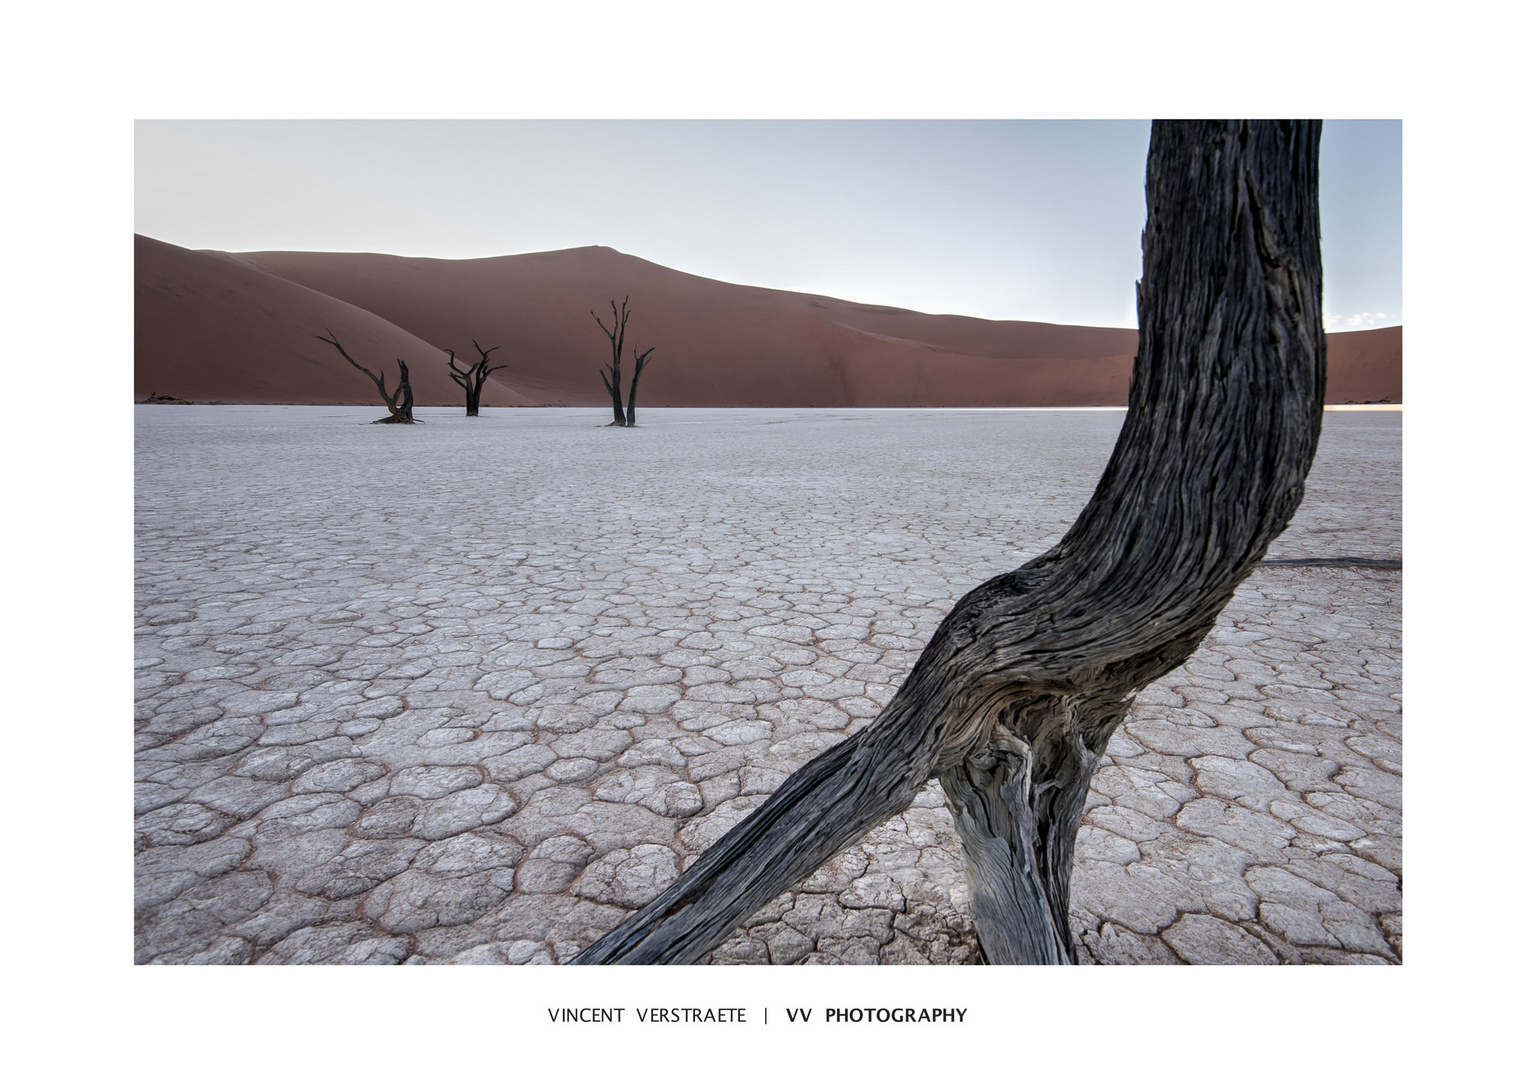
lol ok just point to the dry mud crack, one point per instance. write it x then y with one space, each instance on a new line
386 715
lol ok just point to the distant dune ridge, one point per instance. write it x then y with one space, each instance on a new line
218 327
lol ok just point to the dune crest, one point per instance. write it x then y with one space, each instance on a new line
214 326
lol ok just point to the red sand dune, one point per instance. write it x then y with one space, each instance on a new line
210 327
1364 366
205 319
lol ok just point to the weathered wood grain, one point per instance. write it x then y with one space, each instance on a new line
1019 689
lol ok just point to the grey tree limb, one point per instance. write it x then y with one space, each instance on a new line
1021 686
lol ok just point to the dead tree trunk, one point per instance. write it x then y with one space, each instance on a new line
400 402
631 396
612 371
1017 693
471 379
403 397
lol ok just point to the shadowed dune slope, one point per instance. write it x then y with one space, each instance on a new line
718 344
1364 365
211 327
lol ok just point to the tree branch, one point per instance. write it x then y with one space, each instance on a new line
378 379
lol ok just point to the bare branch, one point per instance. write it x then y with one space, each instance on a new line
458 376
400 412
377 378
335 341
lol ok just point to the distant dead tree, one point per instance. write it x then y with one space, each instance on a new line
631 395
471 379
611 373
400 402
1015 698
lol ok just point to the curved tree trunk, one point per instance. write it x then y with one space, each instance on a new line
1021 686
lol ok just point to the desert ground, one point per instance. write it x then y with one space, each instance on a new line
471 691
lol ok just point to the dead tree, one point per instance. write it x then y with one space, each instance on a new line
400 402
1019 689
471 379
631 396
611 373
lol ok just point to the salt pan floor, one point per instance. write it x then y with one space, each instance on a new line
471 691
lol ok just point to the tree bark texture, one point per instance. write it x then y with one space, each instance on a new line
1017 693
631 395
400 402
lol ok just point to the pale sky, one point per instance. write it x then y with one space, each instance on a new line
1001 219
